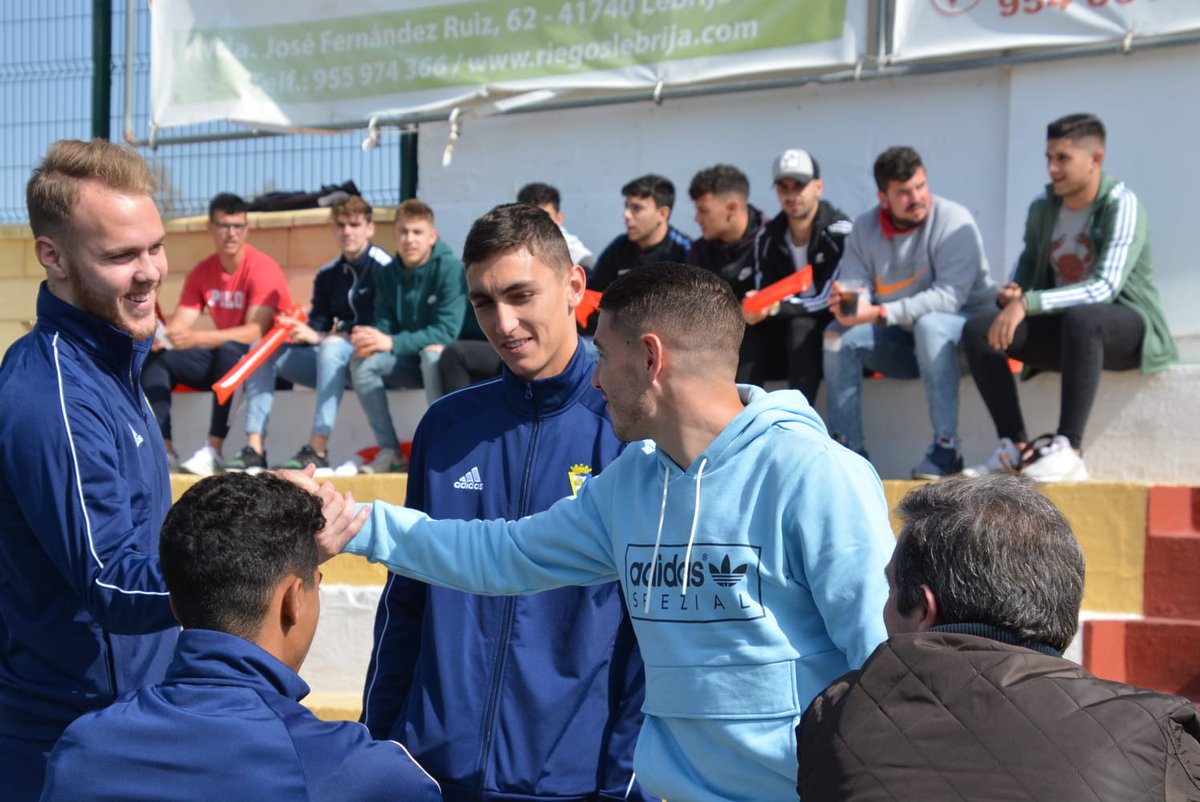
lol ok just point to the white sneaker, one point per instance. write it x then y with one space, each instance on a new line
388 460
172 462
1005 459
1055 462
205 462
347 468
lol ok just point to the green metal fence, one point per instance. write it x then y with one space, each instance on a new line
46 82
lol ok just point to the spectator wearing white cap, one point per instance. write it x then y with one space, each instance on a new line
784 342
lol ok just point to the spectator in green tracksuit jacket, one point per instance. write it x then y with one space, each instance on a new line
419 308
1082 300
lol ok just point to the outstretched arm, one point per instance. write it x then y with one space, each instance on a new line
343 518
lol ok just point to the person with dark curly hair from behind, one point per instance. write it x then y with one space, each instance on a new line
240 562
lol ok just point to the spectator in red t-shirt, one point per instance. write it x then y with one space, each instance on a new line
241 288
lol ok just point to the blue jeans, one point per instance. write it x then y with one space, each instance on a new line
325 366
929 352
372 376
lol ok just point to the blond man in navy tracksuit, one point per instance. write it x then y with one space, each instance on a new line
84 615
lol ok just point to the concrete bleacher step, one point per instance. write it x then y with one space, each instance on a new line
1156 653
1173 553
334 706
1159 651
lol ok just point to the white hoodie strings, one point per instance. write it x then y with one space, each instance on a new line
662 515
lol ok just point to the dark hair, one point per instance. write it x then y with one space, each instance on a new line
691 308
228 543
414 208
351 207
517 225
537 194
53 188
1076 127
651 186
993 550
896 164
720 179
227 203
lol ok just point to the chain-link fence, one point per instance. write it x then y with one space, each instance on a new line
46 70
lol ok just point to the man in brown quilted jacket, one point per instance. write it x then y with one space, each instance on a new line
970 697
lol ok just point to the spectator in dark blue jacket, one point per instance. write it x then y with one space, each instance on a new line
84 615
531 697
239 558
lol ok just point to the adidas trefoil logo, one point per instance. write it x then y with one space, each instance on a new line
137 438
470 480
724 576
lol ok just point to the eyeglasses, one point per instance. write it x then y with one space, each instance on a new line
230 227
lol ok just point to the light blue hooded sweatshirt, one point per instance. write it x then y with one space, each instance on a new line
768 557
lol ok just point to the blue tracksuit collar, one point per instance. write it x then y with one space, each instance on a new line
107 345
544 397
203 656
364 260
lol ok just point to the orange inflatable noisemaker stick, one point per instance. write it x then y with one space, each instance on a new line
772 294
589 304
268 345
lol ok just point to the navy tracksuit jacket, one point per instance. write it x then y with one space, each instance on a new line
227 724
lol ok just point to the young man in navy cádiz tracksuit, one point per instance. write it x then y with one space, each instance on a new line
524 697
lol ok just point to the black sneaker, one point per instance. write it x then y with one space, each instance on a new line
939 461
304 457
247 461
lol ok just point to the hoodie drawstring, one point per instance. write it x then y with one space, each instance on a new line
687 557
662 515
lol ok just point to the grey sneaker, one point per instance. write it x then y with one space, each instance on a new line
248 461
172 462
306 456
388 460
940 461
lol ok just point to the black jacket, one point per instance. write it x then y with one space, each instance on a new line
734 263
946 715
623 255
773 257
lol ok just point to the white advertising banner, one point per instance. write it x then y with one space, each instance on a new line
924 29
294 64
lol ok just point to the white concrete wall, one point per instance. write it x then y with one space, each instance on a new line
337 663
1142 428
291 423
981 132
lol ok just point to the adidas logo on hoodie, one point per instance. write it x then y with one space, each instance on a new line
723 581
469 481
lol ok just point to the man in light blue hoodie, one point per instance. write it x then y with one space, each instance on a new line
749 546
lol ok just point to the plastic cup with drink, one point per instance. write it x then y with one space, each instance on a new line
849 291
